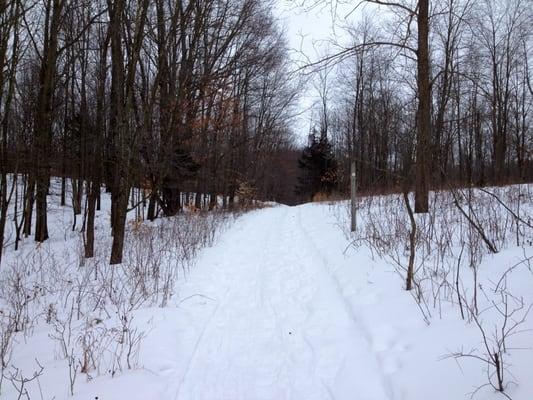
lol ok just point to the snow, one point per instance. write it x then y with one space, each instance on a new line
281 306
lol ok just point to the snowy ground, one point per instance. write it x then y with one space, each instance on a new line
282 307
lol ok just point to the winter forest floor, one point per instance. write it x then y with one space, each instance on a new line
281 303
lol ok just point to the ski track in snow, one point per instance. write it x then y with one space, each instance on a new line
281 328
278 309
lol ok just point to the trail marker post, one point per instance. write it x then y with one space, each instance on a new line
353 187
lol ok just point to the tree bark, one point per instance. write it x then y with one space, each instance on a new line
43 119
424 111
91 206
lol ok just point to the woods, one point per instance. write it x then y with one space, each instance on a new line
165 104
149 153
430 94
174 105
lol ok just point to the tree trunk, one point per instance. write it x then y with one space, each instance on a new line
412 243
4 199
63 189
41 217
212 201
43 118
28 206
94 187
152 203
424 111
171 203
120 200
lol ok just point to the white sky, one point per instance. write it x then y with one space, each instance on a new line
310 31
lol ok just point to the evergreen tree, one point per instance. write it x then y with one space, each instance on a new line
318 167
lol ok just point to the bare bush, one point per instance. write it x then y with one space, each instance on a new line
89 307
511 314
441 253
19 381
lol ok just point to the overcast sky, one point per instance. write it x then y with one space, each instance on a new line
309 33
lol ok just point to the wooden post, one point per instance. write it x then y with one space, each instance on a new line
353 187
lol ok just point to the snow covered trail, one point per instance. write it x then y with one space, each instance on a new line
280 328
281 307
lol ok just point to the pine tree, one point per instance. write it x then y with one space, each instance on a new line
318 167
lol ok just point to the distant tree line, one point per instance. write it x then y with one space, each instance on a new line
477 83
167 103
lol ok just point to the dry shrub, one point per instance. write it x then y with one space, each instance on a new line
246 193
89 307
463 227
327 197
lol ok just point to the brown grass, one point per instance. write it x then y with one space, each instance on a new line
325 197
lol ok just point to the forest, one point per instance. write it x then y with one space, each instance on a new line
458 113
168 104
162 103
194 207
